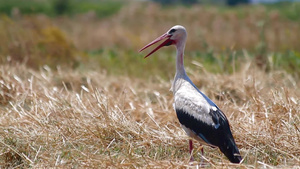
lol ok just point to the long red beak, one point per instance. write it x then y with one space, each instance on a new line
165 43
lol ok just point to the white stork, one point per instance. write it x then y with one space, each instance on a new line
199 116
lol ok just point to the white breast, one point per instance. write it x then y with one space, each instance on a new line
188 98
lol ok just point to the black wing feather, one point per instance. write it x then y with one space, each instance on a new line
217 134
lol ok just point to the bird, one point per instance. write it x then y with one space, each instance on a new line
198 115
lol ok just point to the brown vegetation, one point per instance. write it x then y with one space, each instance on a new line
135 25
56 116
88 119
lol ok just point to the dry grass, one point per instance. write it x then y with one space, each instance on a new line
35 41
87 118
76 119
138 24
113 42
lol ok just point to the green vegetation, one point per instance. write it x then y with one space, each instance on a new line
288 10
102 8
26 7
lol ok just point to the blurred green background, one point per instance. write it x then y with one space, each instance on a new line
107 34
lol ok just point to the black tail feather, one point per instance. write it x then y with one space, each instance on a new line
231 151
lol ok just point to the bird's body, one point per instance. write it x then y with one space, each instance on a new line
202 119
199 116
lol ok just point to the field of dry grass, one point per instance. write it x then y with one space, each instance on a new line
137 24
69 119
77 114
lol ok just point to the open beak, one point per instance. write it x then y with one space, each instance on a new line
165 43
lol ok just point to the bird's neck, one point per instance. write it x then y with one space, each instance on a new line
179 60
180 71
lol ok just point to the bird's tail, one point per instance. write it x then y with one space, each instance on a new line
231 151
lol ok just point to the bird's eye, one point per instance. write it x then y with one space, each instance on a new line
172 31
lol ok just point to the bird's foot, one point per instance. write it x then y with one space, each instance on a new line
191 159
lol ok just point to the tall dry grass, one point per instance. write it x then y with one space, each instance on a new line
88 118
35 41
62 118
137 24
215 35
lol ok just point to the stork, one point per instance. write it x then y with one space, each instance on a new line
200 117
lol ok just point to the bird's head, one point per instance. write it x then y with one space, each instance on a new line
174 36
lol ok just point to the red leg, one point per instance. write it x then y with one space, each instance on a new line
202 149
202 153
191 150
